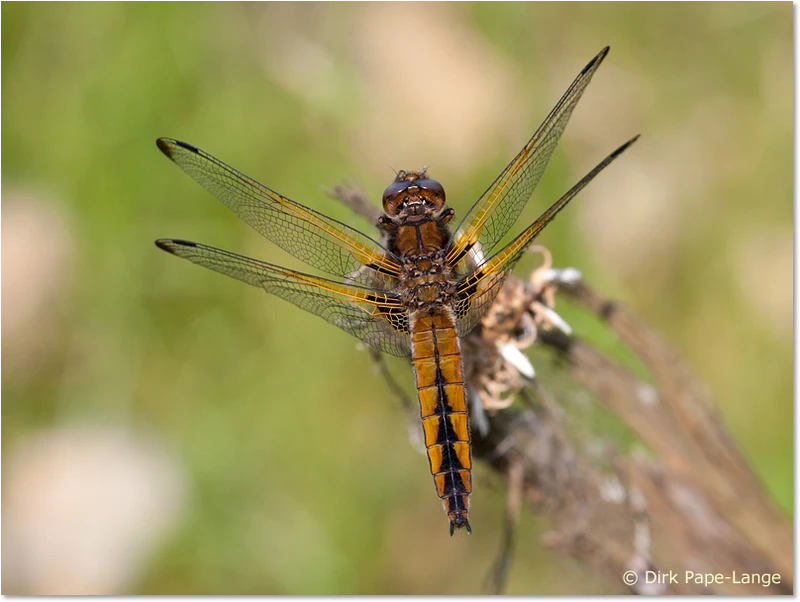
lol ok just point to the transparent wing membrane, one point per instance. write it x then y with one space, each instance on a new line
375 317
477 290
498 208
317 240
363 304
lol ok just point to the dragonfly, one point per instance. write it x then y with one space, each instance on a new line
415 292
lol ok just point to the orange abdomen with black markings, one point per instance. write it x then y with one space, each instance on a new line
436 355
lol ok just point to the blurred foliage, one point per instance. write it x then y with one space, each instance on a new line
301 476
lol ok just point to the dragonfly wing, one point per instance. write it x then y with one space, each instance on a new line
376 317
477 290
318 240
497 209
476 293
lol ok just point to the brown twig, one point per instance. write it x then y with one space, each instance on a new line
354 198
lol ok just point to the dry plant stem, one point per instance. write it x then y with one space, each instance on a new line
498 577
698 473
707 453
354 198
691 505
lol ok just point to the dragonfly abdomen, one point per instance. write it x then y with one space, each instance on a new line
436 355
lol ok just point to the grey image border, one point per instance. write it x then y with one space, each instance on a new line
795 268
796 423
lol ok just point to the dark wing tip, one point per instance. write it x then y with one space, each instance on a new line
625 146
169 245
597 59
167 146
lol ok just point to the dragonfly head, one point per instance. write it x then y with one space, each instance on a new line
413 193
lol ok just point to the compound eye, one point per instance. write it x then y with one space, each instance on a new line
391 200
431 186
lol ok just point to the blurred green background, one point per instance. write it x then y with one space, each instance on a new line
167 430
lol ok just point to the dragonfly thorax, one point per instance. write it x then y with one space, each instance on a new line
426 280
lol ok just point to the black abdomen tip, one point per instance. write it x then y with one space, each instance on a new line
459 521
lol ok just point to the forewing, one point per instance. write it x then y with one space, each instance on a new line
490 218
375 317
320 241
477 290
